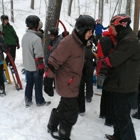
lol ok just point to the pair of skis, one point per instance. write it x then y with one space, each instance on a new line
14 72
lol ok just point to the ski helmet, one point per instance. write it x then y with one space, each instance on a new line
4 17
84 23
32 21
53 31
120 22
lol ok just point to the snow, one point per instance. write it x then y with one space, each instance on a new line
20 123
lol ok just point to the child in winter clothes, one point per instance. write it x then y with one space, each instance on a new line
99 28
105 47
33 61
3 48
10 37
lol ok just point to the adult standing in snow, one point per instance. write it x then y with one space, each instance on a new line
123 77
33 61
66 62
10 37
99 28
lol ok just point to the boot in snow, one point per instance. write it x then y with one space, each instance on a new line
110 137
2 91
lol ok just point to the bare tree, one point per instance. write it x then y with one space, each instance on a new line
100 12
136 15
52 14
119 6
78 7
128 7
12 11
69 8
115 8
2 7
32 4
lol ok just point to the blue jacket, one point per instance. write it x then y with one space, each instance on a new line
99 28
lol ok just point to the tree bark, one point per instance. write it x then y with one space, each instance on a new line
12 11
119 6
32 4
101 6
2 7
52 14
136 16
128 7
69 8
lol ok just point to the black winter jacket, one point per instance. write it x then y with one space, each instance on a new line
3 48
124 76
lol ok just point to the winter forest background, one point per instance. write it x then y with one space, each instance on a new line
20 123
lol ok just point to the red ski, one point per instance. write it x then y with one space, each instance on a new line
19 85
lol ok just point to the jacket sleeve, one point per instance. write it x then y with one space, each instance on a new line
3 45
55 45
15 35
124 52
59 55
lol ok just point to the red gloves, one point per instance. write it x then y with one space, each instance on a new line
40 65
50 48
18 46
102 64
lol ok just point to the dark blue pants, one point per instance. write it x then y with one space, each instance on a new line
33 78
123 126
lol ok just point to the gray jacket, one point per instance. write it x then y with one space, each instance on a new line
56 42
31 49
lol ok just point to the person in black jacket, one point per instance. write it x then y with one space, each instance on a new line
86 79
123 76
3 48
137 114
138 34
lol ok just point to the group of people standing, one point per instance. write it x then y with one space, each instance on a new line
70 65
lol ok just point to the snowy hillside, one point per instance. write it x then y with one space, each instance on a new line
20 123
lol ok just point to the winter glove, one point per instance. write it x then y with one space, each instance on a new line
18 46
51 67
40 65
102 63
50 48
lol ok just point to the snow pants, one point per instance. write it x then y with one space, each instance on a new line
12 51
1 77
106 104
65 115
89 91
33 78
123 126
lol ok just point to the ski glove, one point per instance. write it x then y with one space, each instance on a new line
51 68
18 46
103 63
40 65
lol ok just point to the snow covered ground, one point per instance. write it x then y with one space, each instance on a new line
20 123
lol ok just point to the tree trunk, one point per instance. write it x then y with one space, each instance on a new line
115 8
136 16
32 4
119 6
69 8
2 7
78 7
12 11
95 8
52 14
101 6
128 7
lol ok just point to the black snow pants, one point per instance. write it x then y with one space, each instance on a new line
123 126
65 115
1 77
12 51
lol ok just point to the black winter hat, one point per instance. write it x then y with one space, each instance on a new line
53 31
84 23
32 21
